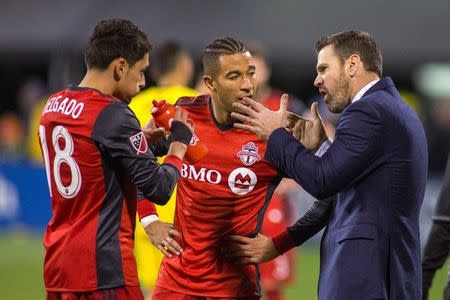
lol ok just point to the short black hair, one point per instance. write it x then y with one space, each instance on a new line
113 38
350 42
166 57
218 48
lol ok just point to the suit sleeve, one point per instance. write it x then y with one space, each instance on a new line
119 137
353 153
314 220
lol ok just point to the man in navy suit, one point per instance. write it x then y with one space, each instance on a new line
376 166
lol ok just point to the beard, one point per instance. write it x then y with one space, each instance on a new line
341 99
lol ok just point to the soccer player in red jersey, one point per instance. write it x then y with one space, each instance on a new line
96 156
224 193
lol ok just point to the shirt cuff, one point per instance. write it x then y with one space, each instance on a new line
324 147
145 208
148 220
175 161
283 242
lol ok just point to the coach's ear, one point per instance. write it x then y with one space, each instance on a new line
120 68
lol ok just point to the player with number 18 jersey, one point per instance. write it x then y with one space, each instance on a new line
95 156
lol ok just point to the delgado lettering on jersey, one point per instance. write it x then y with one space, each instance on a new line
68 107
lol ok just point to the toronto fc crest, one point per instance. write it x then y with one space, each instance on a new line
139 143
249 154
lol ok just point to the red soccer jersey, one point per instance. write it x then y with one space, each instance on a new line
225 193
95 154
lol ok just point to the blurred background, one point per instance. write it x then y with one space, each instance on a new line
41 51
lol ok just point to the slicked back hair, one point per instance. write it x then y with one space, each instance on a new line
218 48
114 38
351 42
166 57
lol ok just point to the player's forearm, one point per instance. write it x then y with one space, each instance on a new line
160 147
155 182
180 137
177 149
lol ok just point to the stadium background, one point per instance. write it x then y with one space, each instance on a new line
41 44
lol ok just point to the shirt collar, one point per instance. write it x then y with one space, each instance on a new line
364 90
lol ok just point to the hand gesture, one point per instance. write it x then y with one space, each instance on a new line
258 119
310 133
163 235
182 116
245 250
152 133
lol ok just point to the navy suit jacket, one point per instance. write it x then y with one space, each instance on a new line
377 166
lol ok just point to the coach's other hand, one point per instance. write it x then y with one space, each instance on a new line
244 250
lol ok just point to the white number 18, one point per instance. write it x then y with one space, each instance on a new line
61 156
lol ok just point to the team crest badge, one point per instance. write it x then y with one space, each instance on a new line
249 154
139 143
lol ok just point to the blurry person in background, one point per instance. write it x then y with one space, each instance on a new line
172 70
437 247
280 212
439 132
31 98
415 102
33 147
11 137
432 81
96 158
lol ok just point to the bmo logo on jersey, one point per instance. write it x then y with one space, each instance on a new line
203 174
242 181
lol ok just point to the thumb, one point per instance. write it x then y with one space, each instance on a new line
284 102
315 111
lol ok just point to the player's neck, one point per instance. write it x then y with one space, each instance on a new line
97 80
221 114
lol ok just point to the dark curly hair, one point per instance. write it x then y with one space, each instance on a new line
115 38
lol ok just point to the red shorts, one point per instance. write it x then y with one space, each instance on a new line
160 293
119 293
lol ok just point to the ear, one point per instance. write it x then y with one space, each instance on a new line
354 63
209 82
120 68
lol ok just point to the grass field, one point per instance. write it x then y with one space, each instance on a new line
21 271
